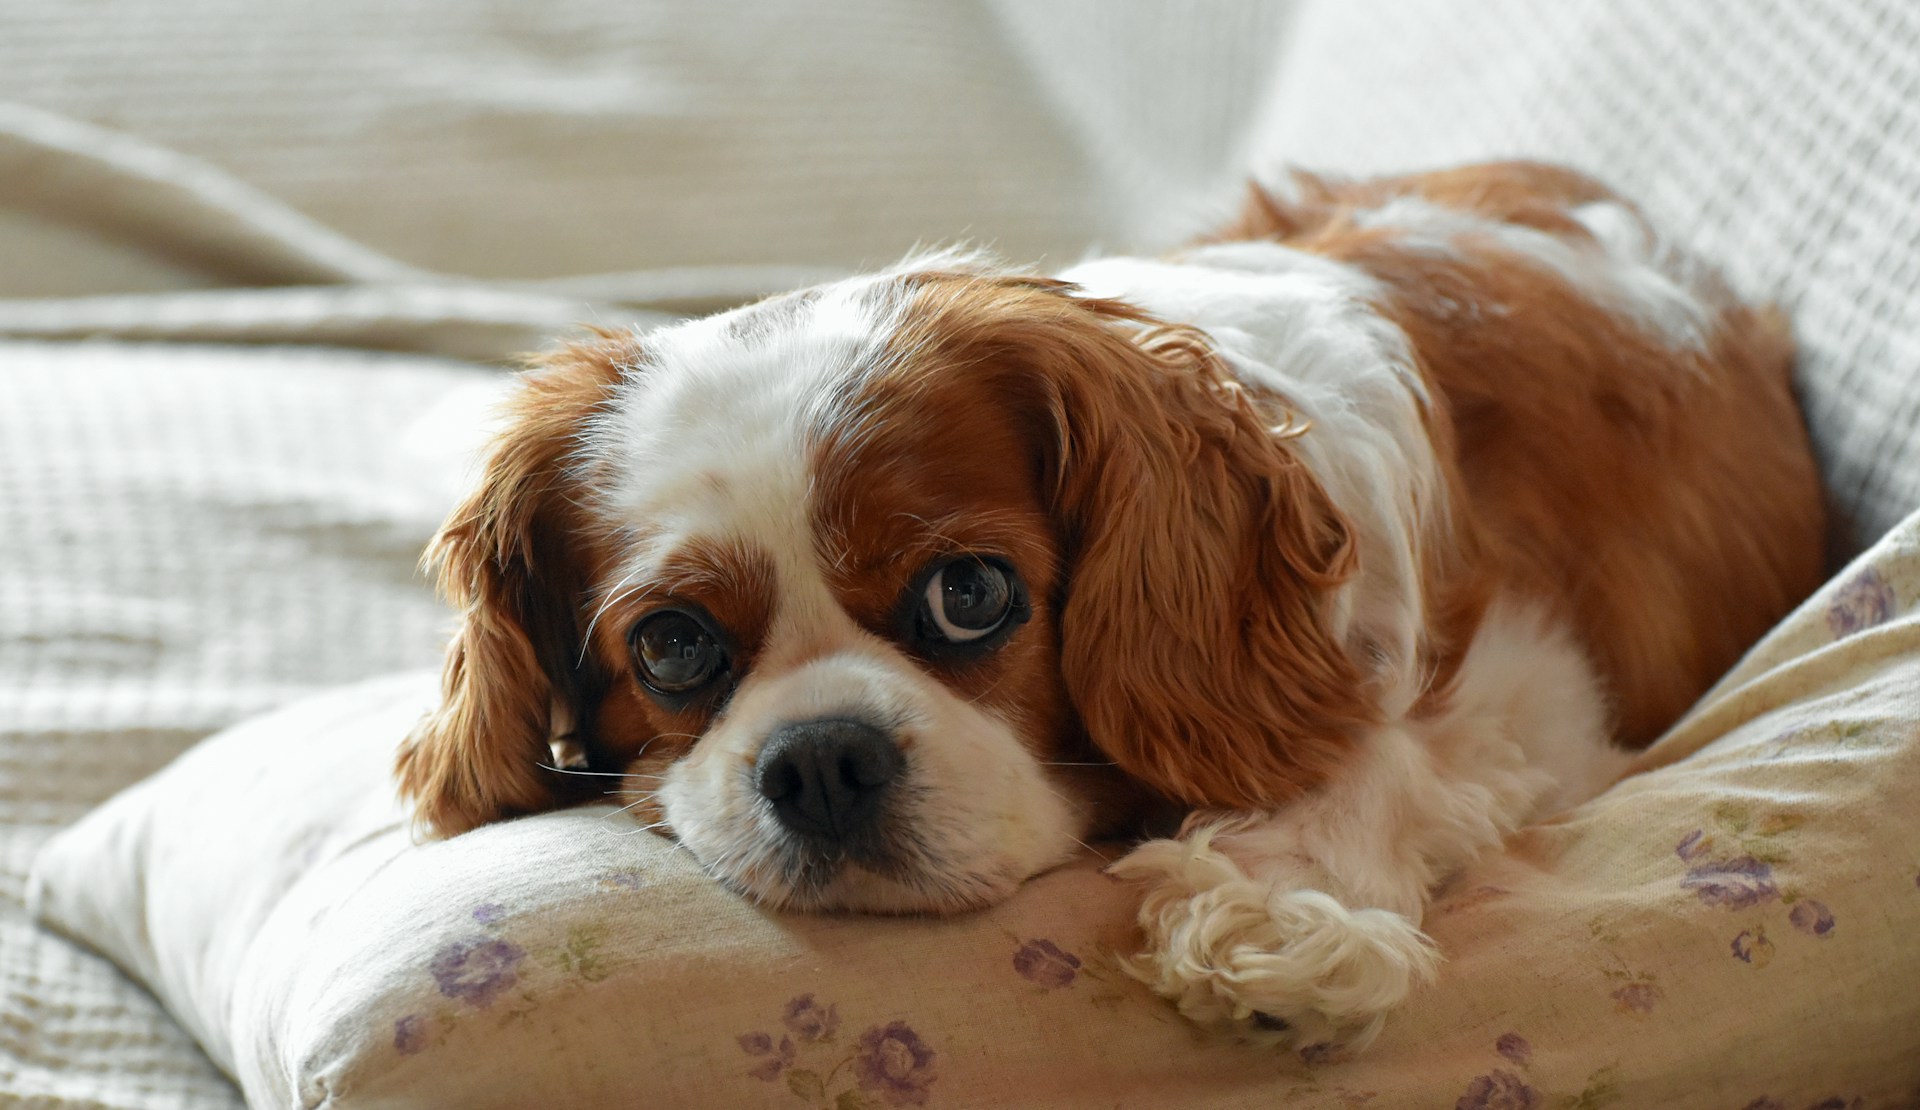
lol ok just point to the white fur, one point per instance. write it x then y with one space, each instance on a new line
1310 915
1617 272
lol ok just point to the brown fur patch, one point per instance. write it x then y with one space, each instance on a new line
1662 501
735 585
1196 548
911 473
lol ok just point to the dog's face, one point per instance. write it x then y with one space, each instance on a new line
884 595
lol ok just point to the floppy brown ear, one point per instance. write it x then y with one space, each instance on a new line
513 558
1197 640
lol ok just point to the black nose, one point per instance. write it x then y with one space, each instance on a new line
827 778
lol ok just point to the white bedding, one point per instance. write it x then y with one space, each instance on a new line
188 535
212 213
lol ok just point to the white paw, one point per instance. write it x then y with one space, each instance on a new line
1287 964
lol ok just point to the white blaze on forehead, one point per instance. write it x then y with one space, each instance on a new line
708 440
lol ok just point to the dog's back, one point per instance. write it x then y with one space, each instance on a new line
1625 441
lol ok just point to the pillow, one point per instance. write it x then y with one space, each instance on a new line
1732 926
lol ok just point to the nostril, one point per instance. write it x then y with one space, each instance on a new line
870 765
779 779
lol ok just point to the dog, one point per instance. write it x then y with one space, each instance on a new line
1355 536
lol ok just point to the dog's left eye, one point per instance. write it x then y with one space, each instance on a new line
966 601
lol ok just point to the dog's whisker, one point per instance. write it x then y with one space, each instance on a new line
1105 858
572 771
630 805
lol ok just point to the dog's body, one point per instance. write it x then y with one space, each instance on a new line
1359 536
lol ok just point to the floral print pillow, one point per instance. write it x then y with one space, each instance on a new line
1733 926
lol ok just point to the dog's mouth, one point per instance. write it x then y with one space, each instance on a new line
893 870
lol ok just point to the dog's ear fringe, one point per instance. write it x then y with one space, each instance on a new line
476 758
505 558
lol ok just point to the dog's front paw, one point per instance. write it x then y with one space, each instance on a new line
1286 964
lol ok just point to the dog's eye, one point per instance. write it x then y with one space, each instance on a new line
967 600
676 652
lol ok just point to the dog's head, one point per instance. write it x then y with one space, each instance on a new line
882 595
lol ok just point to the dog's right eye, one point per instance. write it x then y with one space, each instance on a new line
966 600
964 607
676 652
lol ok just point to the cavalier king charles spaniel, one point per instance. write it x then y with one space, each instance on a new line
1356 536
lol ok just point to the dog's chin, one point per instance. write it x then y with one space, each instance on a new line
855 888
894 867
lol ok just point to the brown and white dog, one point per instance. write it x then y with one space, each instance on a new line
1361 535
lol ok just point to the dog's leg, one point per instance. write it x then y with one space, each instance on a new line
1304 922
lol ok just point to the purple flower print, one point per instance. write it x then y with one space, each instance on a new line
1321 1053
895 1062
810 1021
1737 883
1638 998
1865 601
778 1057
1812 918
1514 1047
1765 1103
477 971
1045 963
1692 844
486 913
410 1034
631 878
1501 1090
1752 946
